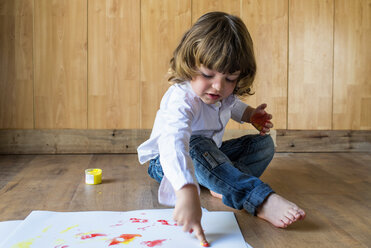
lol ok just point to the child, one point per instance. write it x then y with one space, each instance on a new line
213 65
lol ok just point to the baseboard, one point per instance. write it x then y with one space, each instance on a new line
78 141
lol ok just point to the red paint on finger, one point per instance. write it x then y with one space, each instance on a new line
205 244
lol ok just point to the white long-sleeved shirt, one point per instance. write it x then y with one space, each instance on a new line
182 114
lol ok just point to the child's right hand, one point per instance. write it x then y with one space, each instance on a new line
187 212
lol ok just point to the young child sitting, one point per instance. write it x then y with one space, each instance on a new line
212 66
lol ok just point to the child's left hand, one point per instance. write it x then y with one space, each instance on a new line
260 119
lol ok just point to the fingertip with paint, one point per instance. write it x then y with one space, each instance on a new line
205 244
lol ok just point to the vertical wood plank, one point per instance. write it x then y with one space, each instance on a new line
162 25
16 75
113 64
267 22
310 64
200 7
352 65
60 45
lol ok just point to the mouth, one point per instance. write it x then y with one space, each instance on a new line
213 96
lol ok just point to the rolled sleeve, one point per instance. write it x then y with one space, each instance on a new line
237 110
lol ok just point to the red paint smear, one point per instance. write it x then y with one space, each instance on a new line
143 228
136 220
153 243
165 222
93 235
116 225
126 237
59 246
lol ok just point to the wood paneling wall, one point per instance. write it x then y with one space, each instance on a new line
102 64
60 64
113 64
310 64
16 65
352 65
162 25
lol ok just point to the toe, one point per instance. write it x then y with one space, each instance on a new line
286 220
291 216
302 214
282 225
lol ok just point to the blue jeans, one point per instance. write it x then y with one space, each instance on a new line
233 170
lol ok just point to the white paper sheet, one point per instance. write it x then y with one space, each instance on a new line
141 228
7 228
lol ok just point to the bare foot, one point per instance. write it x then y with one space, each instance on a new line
279 211
220 196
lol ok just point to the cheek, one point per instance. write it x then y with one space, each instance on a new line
200 85
230 88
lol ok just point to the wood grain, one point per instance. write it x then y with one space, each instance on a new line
323 141
267 22
335 198
16 65
76 141
113 64
60 61
200 7
102 64
352 61
310 64
162 26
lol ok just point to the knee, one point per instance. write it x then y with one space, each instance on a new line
270 147
266 148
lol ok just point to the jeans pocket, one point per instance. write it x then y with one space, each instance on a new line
214 158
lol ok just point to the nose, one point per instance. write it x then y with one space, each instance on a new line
218 83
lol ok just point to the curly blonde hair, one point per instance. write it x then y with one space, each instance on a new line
220 42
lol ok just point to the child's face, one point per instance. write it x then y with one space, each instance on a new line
212 86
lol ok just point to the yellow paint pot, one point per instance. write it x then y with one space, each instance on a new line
93 176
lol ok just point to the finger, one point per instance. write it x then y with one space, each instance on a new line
268 124
186 228
265 130
262 106
200 233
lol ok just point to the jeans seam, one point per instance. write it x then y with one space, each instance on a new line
240 192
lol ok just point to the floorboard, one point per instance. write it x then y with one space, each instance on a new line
333 188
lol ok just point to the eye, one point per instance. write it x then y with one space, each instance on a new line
206 76
231 80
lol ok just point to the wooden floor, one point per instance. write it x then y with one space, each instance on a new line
333 188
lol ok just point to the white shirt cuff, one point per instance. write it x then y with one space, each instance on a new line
166 192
